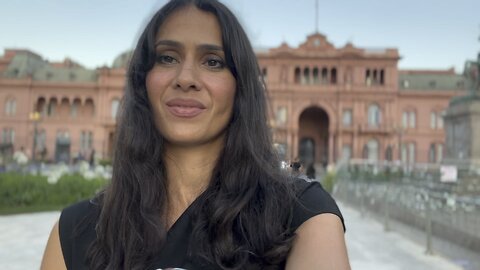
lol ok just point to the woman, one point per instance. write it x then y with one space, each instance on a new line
195 182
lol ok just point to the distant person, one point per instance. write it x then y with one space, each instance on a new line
296 166
43 154
311 172
91 160
196 181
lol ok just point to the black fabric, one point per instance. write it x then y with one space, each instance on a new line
312 200
77 229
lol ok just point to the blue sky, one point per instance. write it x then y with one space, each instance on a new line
430 34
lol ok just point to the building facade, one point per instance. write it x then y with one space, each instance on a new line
329 103
326 104
76 107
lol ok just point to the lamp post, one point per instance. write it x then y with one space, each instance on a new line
35 118
399 130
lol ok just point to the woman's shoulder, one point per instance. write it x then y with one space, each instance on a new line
77 230
311 200
78 218
79 211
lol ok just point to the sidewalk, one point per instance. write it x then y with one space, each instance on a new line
23 238
371 248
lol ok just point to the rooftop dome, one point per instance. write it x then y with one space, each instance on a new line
122 60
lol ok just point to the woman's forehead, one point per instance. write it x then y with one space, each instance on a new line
190 24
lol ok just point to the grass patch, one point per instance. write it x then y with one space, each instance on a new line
30 209
20 193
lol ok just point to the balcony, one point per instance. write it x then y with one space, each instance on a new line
376 129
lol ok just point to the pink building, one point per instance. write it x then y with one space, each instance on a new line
330 103
77 106
326 103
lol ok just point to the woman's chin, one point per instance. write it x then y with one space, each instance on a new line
192 140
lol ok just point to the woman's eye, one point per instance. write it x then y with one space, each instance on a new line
215 63
166 59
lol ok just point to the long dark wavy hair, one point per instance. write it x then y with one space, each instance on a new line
243 219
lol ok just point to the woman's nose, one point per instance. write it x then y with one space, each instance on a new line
187 78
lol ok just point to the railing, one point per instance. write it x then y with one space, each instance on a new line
414 195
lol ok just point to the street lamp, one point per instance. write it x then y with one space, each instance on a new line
35 118
399 131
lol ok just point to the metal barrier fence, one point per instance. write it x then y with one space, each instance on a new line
416 197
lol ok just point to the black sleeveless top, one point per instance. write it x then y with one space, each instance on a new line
77 229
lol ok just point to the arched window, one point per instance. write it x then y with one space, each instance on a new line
433 120
412 119
409 119
365 152
52 107
375 77
115 104
405 119
346 152
41 140
435 153
11 107
62 146
368 78
281 115
389 154
440 120
298 75
86 140
8 136
64 107
333 76
411 153
324 75
316 79
372 150
439 153
382 77
347 118
431 153
403 153
374 115
306 76
436 119
41 106
89 107
75 107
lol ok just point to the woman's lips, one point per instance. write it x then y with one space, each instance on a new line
185 108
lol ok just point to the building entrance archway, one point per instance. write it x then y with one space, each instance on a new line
313 135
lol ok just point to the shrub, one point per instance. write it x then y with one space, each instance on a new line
329 181
105 162
25 190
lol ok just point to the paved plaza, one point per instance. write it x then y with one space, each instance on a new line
23 238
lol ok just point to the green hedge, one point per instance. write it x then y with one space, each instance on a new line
329 181
368 174
31 193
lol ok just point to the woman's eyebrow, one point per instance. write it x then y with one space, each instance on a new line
210 47
171 43
176 44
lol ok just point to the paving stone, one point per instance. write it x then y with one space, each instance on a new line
23 238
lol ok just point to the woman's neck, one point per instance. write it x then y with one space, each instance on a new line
189 169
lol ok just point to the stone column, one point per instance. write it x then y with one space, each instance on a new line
331 148
294 143
355 144
339 145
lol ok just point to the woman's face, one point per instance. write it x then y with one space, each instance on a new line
190 88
